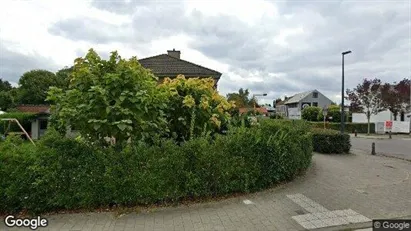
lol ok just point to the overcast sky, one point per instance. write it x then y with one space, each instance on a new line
275 47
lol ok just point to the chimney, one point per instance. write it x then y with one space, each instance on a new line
174 53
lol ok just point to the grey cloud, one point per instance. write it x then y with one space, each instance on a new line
14 64
376 32
88 29
122 6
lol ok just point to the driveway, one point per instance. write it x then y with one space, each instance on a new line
397 147
361 184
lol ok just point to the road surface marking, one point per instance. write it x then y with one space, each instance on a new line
320 217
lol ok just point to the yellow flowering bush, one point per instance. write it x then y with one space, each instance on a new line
194 106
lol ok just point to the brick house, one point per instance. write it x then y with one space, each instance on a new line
171 65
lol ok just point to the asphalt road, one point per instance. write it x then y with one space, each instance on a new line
396 147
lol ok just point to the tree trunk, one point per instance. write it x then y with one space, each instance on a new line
368 121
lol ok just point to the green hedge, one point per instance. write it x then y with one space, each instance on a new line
61 173
330 141
349 127
24 119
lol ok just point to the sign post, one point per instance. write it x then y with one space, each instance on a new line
388 126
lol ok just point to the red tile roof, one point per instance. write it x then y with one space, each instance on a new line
37 109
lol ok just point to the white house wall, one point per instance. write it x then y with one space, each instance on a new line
380 117
294 113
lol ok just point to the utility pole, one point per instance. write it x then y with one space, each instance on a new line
342 92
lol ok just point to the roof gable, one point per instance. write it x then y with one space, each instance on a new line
165 65
298 97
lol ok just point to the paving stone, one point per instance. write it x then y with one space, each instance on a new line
330 214
300 218
339 213
357 219
307 225
336 221
321 215
350 212
319 223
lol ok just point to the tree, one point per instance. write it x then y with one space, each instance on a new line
63 77
5 85
310 113
34 85
334 111
6 100
114 98
391 99
367 98
242 99
403 88
396 96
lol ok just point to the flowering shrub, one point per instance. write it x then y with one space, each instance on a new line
194 107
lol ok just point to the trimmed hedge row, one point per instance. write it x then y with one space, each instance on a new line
349 127
61 173
330 141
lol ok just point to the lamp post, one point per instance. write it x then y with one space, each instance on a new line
254 95
342 92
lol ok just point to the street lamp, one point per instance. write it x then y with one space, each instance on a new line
342 92
254 95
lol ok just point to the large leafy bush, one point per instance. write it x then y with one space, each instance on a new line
194 107
110 98
334 112
330 141
310 113
62 173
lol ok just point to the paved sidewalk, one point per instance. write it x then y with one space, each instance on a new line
372 186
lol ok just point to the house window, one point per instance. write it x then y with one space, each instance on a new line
315 104
315 95
43 124
402 116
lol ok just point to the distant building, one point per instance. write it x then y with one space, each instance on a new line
40 123
281 109
292 107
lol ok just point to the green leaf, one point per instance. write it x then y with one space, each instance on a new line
121 126
96 126
122 98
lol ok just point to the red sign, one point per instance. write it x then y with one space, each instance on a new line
388 124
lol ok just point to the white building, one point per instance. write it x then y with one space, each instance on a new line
293 106
401 123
